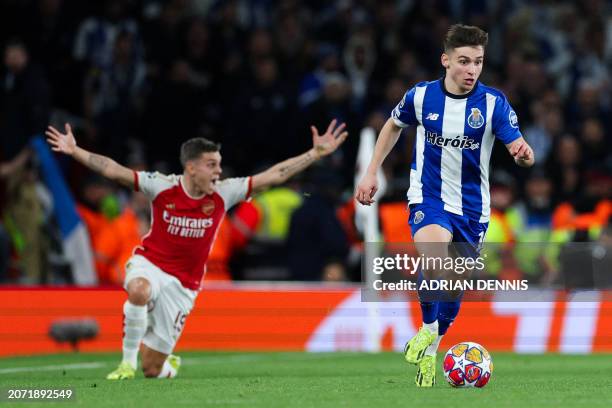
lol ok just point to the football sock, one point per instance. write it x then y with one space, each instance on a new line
429 311
167 371
432 327
134 328
433 347
447 311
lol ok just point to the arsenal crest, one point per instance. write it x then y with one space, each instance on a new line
208 206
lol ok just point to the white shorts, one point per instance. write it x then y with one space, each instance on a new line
168 307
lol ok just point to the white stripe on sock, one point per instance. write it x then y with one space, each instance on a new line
134 329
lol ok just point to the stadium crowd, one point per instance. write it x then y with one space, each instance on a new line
136 78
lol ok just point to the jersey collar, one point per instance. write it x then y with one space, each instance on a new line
451 95
186 192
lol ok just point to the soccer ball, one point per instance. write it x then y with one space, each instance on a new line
468 365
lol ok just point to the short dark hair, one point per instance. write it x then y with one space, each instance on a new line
460 35
193 148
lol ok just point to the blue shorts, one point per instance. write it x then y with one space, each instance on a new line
461 227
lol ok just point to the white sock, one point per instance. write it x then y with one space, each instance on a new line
167 371
134 329
433 347
432 327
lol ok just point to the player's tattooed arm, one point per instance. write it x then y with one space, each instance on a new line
290 167
107 167
322 145
98 162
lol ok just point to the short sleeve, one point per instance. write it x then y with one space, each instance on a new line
234 190
505 121
404 115
151 184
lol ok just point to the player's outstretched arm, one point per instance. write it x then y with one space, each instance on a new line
522 152
322 145
368 185
66 143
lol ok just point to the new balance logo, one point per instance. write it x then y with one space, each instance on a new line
432 116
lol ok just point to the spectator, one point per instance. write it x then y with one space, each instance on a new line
335 102
566 167
24 100
5 253
24 107
317 245
96 37
311 87
266 105
161 35
548 124
596 149
359 60
114 96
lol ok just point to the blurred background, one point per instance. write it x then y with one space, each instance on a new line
138 78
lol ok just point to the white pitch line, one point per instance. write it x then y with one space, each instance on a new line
99 364
240 358
52 367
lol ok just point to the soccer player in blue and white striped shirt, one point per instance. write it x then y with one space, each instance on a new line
457 120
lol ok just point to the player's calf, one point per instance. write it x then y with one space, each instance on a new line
159 365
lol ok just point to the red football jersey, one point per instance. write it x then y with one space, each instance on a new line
183 228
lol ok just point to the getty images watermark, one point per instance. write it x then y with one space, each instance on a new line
500 272
436 274
438 271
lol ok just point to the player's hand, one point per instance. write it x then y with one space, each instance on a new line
366 189
61 142
328 142
523 154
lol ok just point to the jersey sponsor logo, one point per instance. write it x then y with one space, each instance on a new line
475 119
432 116
208 206
459 141
186 226
419 216
513 119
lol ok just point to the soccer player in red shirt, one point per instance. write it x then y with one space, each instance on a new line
164 274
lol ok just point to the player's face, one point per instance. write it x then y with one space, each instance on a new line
463 67
206 171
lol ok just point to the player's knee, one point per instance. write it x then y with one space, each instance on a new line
139 291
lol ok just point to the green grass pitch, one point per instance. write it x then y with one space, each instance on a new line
314 380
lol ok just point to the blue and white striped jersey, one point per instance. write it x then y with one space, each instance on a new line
454 141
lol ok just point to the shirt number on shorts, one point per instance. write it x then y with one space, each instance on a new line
179 321
481 240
